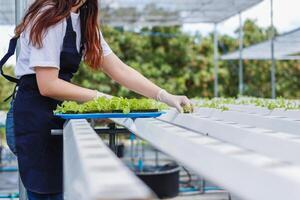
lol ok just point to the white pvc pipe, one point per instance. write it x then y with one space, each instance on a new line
92 171
246 173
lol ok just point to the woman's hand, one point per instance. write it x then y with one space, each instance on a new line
173 100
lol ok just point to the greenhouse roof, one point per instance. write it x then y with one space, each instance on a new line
287 47
170 12
154 12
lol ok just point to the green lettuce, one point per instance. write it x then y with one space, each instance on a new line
115 104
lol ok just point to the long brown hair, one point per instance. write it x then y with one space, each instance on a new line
57 10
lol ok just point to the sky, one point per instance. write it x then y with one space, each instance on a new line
286 18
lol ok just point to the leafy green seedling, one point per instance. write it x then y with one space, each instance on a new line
188 109
115 104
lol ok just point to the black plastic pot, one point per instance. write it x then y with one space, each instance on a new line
163 180
120 150
1 154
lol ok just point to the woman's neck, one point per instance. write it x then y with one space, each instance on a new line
75 9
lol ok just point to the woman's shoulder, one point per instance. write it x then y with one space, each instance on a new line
57 28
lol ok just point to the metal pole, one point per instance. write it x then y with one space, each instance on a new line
273 67
216 57
241 67
112 137
20 6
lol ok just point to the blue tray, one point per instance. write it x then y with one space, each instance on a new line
110 115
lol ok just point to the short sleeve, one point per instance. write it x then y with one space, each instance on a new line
105 47
49 54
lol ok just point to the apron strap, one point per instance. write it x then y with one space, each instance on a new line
81 45
71 29
12 94
69 24
83 17
10 52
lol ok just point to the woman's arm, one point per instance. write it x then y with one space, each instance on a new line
129 77
133 80
51 85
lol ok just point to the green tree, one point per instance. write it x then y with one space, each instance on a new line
6 88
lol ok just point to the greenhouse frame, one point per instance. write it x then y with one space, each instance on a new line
125 13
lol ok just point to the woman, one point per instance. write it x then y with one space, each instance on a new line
55 35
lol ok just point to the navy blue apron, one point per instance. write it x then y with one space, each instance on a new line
39 153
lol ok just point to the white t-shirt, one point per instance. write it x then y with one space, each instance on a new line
49 54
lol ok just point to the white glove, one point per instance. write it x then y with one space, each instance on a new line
101 94
173 100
